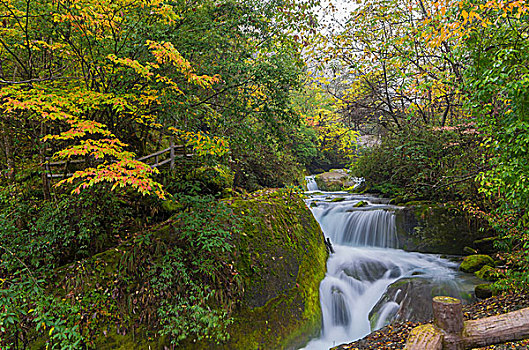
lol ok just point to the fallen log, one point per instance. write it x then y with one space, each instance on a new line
497 329
449 332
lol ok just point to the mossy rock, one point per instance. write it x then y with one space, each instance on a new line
487 273
337 199
360 204
212 179
333 180
282 258
483 291
437 228
279 255
473 263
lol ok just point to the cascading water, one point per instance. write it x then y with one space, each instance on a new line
366 261
311 183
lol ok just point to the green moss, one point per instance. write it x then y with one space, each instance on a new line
473 263
487 273
280 258
337 199
360 204
447 300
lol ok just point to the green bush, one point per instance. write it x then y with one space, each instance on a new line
212 179
54 233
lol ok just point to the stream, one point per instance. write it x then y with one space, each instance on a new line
354 295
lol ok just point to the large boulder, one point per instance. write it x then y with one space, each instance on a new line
282 258
437 228
334 180
410 299
277 261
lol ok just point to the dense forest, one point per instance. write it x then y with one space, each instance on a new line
424 100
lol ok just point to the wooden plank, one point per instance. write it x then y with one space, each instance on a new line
161 163
55 176
154 154
62 162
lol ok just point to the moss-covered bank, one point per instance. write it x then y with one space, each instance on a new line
277 261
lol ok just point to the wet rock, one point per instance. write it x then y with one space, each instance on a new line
473 263
370 270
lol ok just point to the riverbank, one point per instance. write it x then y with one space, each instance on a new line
394 336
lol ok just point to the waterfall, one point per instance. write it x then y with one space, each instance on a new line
366 261
311 183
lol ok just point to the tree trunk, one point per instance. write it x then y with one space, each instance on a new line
44 174
9 154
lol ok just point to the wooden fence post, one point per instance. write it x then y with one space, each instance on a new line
172 154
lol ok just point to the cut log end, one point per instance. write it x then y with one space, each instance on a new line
423 337
448 314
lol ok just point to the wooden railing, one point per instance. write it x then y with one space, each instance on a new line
450 332
170 155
